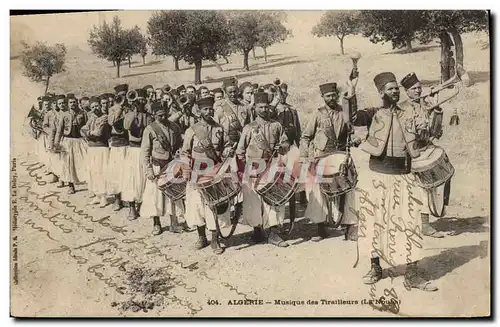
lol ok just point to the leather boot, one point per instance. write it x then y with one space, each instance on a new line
156 225
258 235
427 229
71 189
215 245
414 280
275 239
351 232
132 211
202 241
118 203
322 234
375 273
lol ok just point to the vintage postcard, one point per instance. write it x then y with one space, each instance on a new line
250 164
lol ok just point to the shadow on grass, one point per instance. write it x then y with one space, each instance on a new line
240 75
479 76
150 63
147 73
125 64
204 66
414 50
457 226
436 266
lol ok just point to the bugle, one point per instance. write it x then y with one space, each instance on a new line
132 96
120 99
445 85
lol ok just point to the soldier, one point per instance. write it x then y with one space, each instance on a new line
203 92
205 142
118 143
97 132
111 99
218 95
190 89
329 133
246 96
73 155
393 232
257 142
135 176
181 90
50 123
160 141
104 102
150 92
233 115
85 105
426 115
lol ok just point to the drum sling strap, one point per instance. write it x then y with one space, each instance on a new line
206 146
162 138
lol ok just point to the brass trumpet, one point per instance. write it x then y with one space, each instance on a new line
132 96
167 88
438 88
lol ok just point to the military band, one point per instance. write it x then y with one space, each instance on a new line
134 144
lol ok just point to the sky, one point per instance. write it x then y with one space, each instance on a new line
73 29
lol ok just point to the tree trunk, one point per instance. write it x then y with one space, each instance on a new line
176 64
459 50
114 63
219 67
253 53
197 72
245 60
445 59
341 39
143 60
118 68
265 54
129 64
409 47
47 84
225 58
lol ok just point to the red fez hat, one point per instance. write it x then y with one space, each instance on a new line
61 96
217 90
84 98
121 88
148 87
191 87
409 80
157 108
328 88
207 102
103 96
261 97
383 78
141 93
45 98
70 96
180 88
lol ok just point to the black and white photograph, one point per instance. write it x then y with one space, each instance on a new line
250 163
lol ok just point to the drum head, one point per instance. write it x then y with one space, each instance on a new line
269 176
206 177
330 165
427 158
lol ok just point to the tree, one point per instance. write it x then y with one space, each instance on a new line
136 43
442 24
397 26
339 24
244 29
41 62
165 34
193 36
111 42
144 51
271 31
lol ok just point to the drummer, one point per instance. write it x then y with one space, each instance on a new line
329 133
205 145
160 141
256 144
431 127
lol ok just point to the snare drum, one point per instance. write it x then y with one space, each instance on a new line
217 189
432 168
276 190
172 184
338 174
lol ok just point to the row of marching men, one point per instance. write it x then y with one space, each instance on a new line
119 143
203 127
